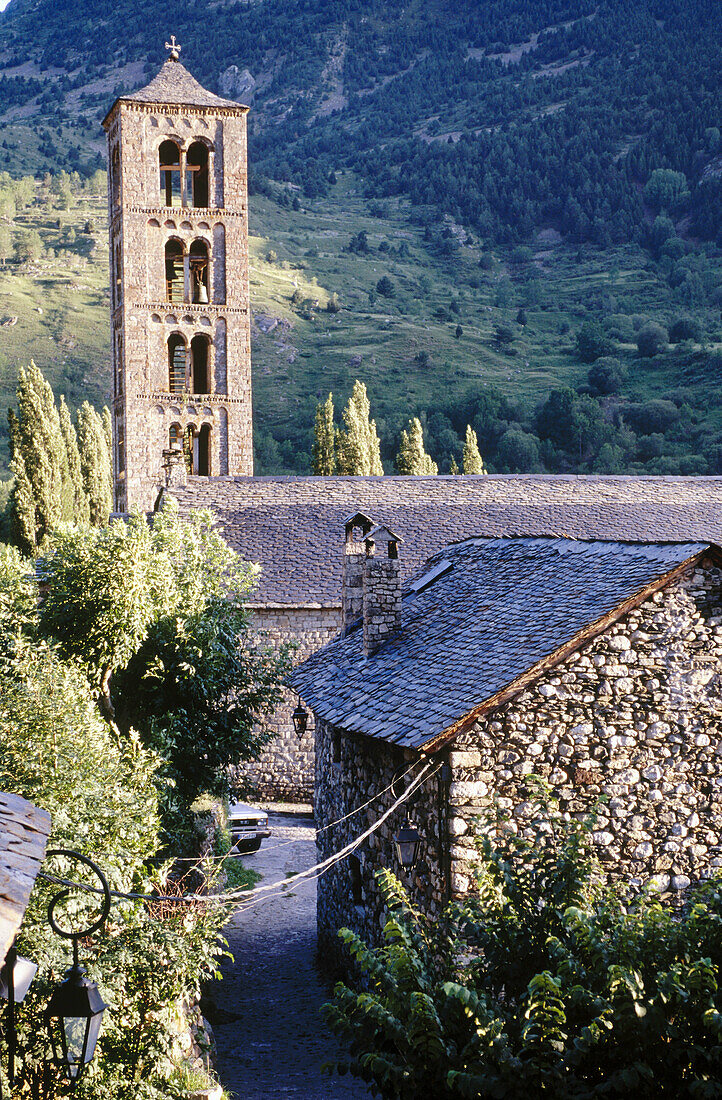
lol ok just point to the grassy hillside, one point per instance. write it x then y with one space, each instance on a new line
484 159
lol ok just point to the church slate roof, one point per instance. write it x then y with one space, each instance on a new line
293 526
174 84
505 605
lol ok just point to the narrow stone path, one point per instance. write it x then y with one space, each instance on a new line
270 1036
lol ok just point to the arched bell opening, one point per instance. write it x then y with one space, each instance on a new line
197 190
204 450
169 164
199 272
174 271
200 364
177 363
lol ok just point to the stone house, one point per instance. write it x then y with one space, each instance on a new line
291 526
595 664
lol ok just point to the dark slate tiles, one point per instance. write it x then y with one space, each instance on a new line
505 605
293 526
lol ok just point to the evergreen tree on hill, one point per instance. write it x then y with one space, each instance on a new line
95 464
358 449
473 462
43 492
81 510
324 444
412 458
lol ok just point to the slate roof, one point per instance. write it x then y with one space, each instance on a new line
293 526
174 84
503 606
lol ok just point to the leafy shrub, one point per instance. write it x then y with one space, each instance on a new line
651 339
606 375
656 415
545 983
592 342
685 328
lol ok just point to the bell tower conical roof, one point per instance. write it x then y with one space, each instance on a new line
174 85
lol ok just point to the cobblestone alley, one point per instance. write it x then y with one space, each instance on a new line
271 1039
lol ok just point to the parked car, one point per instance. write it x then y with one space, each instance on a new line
248 826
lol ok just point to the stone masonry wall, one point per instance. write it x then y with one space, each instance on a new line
285 770
635 715
351 771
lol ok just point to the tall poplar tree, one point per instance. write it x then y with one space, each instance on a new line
81 510
358 449
95 464
324 443
412 458
43 493
473 462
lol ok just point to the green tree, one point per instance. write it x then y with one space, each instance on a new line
666 189
324 448
29 246
651 340
79 505
95 464
358 449
685 328
385 287
606 375
102 796
591 341
472 460
6 244
453 466
412 458
43 493
156 618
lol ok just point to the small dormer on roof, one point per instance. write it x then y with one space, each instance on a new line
383 536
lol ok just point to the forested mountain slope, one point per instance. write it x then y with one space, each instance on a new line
517 168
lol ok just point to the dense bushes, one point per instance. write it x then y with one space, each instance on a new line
545 983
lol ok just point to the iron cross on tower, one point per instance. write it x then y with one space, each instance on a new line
174 48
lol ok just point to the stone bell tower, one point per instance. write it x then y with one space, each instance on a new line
179 303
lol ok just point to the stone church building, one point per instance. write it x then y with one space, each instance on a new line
182 403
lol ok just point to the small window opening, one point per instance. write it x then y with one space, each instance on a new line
177 361
174 273
197 174
199 365
170 174
204 451
175 437
354 867
336 746
120 445
115 176
199 272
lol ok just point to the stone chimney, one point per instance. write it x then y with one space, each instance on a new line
174 467
381 588
356 527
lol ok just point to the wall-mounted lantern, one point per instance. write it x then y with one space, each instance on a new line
75 1010
407 841
300 720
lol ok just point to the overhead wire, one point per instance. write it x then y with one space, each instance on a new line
279 887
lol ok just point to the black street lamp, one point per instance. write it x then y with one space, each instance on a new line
74 1016
300 720
75 1011
407 842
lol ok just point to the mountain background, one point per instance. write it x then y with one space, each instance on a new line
468 206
